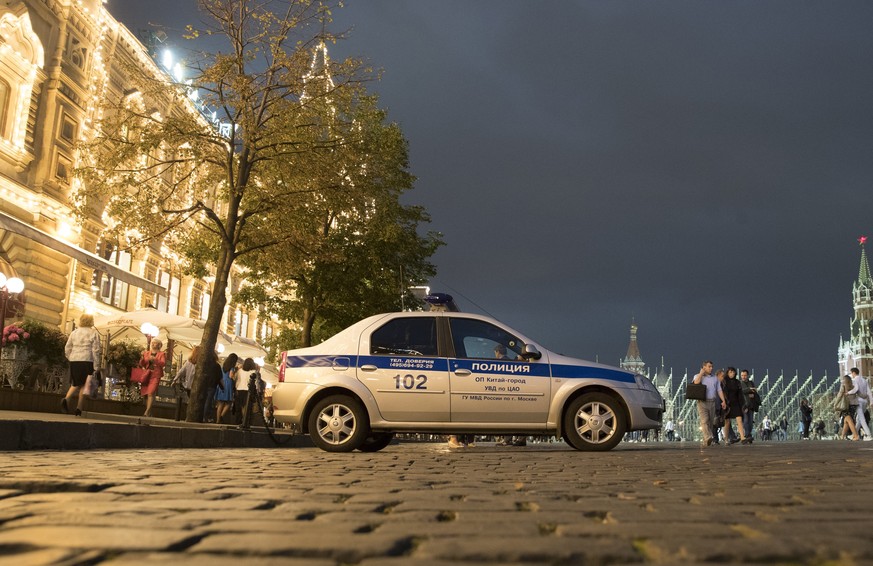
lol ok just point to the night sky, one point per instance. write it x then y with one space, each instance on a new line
703 168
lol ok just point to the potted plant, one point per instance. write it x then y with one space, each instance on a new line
123 355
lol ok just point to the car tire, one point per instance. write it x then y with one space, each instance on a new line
339 423
376 441
594 422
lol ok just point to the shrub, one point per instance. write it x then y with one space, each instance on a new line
44 343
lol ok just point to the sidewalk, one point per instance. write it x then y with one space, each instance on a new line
49 431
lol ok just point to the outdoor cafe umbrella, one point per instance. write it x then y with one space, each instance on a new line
123 322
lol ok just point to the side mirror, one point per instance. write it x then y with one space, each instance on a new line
530 352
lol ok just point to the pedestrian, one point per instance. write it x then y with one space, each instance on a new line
668 430
83 350
751 403
847 405
718 422
819 430
733 392
805 418
714 396
783 428
225 390
185 375
243 376
154 361
862 393
213 378
768 428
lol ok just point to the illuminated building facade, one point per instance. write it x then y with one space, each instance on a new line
58 60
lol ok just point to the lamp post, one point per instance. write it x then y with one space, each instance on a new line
8 287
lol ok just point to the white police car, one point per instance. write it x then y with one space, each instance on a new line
451 372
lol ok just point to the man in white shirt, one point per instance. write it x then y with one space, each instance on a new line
862 392
706 409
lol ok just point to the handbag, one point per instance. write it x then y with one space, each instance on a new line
139 375
695 392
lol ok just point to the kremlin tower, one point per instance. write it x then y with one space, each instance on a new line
857 351
633 361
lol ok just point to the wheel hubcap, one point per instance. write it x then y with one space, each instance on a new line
336 423
595 422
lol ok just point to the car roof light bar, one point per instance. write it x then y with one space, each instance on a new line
441 302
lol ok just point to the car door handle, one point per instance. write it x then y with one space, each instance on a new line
368 367
462 372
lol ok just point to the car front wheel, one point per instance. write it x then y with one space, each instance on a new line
338 424
594 421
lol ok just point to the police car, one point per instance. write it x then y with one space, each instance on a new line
449 372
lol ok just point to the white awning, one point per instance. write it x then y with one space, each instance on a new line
93 261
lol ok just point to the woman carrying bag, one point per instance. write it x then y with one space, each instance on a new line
83 351
154 361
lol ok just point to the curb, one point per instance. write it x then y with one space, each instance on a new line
68 434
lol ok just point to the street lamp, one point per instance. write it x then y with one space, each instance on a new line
8 287
150 331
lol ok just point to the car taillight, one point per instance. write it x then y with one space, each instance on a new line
282 368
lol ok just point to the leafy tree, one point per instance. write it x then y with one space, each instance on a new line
163 172
356 250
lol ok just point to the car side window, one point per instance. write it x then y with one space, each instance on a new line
414 336
479 339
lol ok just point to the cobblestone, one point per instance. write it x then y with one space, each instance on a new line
421 504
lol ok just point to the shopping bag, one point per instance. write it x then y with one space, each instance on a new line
139 375
92 384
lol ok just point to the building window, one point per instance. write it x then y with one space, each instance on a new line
196 305
62 169
67 129
111 290
4 103
150 273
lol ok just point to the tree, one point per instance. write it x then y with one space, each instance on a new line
355 249
162 171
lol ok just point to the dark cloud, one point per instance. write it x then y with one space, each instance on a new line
703 167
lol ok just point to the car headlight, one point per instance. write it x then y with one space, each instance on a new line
643 382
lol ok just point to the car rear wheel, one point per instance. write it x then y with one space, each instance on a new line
338 424
376 441
594 421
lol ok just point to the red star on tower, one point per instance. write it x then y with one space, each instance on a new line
862 239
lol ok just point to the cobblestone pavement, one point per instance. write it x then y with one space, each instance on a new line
790 503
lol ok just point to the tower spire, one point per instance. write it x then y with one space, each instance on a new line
864 270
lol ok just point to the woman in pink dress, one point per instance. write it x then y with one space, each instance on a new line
154 361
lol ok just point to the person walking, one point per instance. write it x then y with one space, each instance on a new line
153 360
225 391
862 394
751 404
243 376
733 392
185 375
83 350
847 405
768 428
706 408
805 418
668 430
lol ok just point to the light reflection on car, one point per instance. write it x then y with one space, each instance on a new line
446 372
